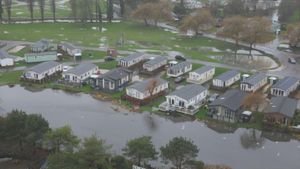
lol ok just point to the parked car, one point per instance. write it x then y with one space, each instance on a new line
179 57
66 68
213 97
109 58
292 60
179 79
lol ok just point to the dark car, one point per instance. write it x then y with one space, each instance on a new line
179 57
179 79
109 58
292 60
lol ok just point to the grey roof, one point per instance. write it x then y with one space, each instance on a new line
133 56
232 99
189 91
43 67
116 74
69 46
156 60
180 66
254 79
81 69
41 43
286 83
4 54
203 69
41 54
283 105
143 85
227 75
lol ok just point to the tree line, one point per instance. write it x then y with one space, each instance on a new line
29 134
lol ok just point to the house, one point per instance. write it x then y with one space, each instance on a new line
179 69
142 92
114 80
201 75
226 79
228 106
80 73
155 63
40 46
285 86
132 59
187 99
281 110
5 59
254 82
40 57
71 50
43 70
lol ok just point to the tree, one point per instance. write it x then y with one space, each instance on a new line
144 12
61 138
63 160
179 151
294 35
153 83
110 10
73 6
257 30
42 8
254 100
30 5
140 150
119 162
122 7
234 29
180 10
289 9
94 154
99 15
201 20
7 4
53 9
235 7
1 11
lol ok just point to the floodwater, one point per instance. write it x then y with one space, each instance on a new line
240 149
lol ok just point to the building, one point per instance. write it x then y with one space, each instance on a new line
5 59
114 80
179 69
228 106
187 99
132 60
285 86
155 63
226 79
254 82
71 50
43 70
40 57
40 46
201 75
142 92
281 110
80 73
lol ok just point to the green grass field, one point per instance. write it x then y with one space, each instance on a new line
11 77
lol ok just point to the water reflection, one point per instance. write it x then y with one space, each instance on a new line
252 139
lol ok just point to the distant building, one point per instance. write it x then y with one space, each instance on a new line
285 86
281 110
132 59
80 73
42 71
228 106
71 50
227 79
254 82
5 59
179 69
201 75
40 46
114 80
154 64
40 57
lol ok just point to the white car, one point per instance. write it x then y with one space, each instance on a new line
66 68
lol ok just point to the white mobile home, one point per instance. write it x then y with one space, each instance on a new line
43 70
132 59
285 86
179 69
80 73
227 79
201 75
254 82
71 50
155 63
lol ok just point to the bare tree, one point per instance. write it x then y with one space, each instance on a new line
110 10
30 5
1 11
7 4
153 83
200 20
99 15
144 12
122 7
42 8
254 101
294 35
257 30
73 6
53 9
234 29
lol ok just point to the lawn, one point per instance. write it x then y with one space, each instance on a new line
11 77
201 114
93 54
108 65
135 35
